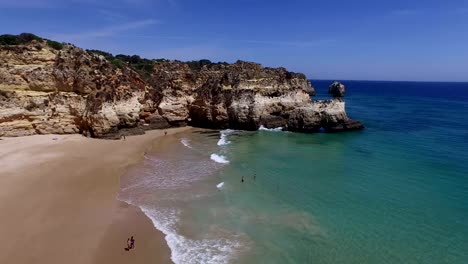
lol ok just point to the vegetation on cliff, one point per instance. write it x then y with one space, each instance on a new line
25 38
146 67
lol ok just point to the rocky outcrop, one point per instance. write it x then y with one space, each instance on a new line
242 95
337 89
46 89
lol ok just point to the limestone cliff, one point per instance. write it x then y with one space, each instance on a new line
64 89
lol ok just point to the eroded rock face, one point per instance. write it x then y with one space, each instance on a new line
68 91
43 91
337 89
24 113
242 95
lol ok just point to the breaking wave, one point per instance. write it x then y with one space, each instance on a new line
186 142
220 186
278 129
219 158
223 140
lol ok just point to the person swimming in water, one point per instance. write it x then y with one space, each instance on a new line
242 180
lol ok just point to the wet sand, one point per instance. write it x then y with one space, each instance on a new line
58 201
150 246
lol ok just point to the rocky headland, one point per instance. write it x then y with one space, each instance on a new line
55 88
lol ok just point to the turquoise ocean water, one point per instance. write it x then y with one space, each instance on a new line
396 192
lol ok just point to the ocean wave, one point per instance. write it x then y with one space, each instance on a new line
278 129
188 251
186 143
223 140
219 158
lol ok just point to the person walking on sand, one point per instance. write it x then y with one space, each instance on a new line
165 133
132 243
128 245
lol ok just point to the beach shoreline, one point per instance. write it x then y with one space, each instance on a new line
58 196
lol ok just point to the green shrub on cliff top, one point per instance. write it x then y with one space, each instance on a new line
54 44
117 63
28 37
25 38
22 38
141 65
9 40
198 65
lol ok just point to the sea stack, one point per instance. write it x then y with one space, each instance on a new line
55 88
337 90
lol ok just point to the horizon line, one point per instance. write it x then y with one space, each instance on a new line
361 80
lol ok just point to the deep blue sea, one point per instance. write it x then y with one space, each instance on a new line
396 192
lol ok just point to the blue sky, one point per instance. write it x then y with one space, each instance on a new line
334 39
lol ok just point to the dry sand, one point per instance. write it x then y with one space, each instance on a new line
58 201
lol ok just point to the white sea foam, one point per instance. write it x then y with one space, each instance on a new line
223 140
219 158
220 186
186 142
278 129
188 251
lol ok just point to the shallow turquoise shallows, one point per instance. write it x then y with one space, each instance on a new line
396 192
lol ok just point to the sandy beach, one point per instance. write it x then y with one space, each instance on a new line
58 201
